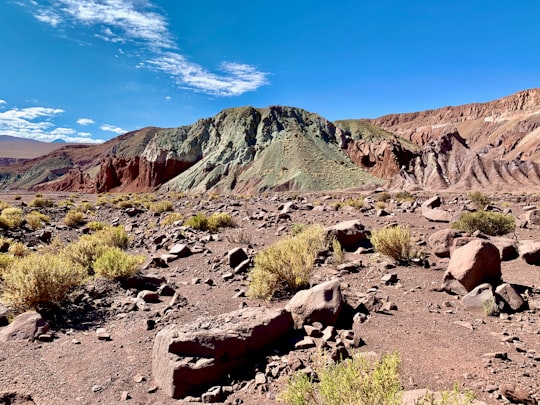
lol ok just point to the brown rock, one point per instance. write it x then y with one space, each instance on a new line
322 303
441 241
27 326
510 296
436 215
236 257
507 247
198 354
516 394
473 264
350 234
530 252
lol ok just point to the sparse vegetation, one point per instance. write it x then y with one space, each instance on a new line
403 196
39 280
212 223
395 242
286 266
17 249
383 197
11 217
355 381
114 263
490 223
74 218
95 225
453 397
338 255
161 206
85 207
354 202
35 219
171 219
297 228
239 237
40 202
490 307
478 199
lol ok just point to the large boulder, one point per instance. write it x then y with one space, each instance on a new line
479 297
475 263
441 241
350 234
26 326
507 247
322 303
199 353
513 300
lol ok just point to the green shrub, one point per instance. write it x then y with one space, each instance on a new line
114 263
74 218
490 223
287 265
95 225
478 199
446 397
12 217
114 236
354 202
40 202
394 242
39 280
198 221
355 381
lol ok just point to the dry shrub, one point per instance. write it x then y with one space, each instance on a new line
354 202
4 205
114 263
287 265
74 218
171 218
490 223
240 236
403 196
95 225
161 206
355 381
85 207
12 217
17 249
478 199
5 261
220 220
35 219
40 202
394 242
39 280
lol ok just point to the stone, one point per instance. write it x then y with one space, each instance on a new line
475 263
389 278
212 396
441 241
243 267
306 343
460 241
433 202
180 250
322 303
4 313
26 326
532 216
508 248
510 296
478 297
148 296
350 234
148 281
236 256
530 253
312 331
436 215
516 394
192 355
102 334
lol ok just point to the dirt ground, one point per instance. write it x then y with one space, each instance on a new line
440 342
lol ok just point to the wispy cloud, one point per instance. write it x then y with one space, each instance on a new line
2 102
85 121
140 22
112 128
38 123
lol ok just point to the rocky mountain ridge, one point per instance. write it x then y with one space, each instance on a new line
494 145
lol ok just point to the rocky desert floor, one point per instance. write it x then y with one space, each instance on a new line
441 343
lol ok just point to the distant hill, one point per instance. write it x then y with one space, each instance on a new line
23 148
492 146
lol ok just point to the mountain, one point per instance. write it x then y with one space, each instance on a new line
487 146
12 147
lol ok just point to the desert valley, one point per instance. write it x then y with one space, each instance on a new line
260 255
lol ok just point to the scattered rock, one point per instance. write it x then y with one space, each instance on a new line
26 326
516 394
510 296
476 263
530 253
350 234
180 250
478 297
322 303
236 257
437 215
442 241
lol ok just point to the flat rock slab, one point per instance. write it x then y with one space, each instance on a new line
199 353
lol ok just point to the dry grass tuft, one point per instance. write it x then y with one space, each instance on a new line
395 242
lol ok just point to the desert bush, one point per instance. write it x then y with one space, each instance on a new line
40 202
74 218
297 228
240 236
354 202
39 280
65 203
220 220
4 205
12 217
198 221
490 307
114 263
171 218
5 262
478 199
403 196
448 397
380 205
95 225
490 223
383 197
85 207
395 242
355 381
287 265
17 249
114 236
35 219
122 204
338 255
3 223
161 206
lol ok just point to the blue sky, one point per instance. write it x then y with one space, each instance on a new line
87 70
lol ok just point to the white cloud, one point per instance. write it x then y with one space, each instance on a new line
85 121
2 102
112 128
38 123
137 21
